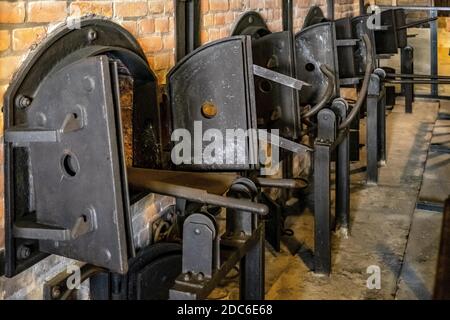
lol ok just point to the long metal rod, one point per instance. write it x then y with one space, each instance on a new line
330 9
407 81
137 178
288 19
418 76
434 50
187 27
417 8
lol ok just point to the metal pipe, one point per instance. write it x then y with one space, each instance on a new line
288 20
282 183
328 93
363 92
419 76
137 178
417 23
418 8
417 81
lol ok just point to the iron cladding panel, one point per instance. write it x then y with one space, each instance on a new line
83 88
219 73
314 46
277 105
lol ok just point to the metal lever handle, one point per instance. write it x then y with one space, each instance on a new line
136 178
279 78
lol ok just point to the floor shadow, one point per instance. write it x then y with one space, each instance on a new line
407 274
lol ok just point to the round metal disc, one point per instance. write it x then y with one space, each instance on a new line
153 272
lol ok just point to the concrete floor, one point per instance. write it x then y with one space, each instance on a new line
386 229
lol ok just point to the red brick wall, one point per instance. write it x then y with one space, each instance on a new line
24 22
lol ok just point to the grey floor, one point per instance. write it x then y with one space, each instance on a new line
387 231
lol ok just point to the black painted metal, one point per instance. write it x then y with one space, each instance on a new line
407 67
200 78
310 56
61 48
342 172
287 16
242 242
276 104
187 27
314 16
323 146
251 24
372 125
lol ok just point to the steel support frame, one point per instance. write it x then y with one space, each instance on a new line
187 27
340 107
243 241
407 67
323 147
433 12
375 128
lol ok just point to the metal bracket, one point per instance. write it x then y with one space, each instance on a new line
20 135
200 246
30 230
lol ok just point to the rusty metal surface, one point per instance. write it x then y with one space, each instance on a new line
315 46
216 183
202 77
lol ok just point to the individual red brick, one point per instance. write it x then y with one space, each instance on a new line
24 38
101 8
130 9
169 41
5 40
156 6
8 66
130 26
161 61
146 26
151 43
162 24
208 20
12 12
46 11
219 19
218 5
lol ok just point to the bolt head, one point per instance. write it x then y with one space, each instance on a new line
197 231
92 35
56 292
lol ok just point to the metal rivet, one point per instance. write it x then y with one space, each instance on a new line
23 101
56 292
209 110
23 252
197 231
187 276
88 83
200 276
92 35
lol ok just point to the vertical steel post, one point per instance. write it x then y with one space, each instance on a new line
372 129
288 20
434 51
326 135
187 27
342 172
362 8
407 59
252 271
330 9
382 153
